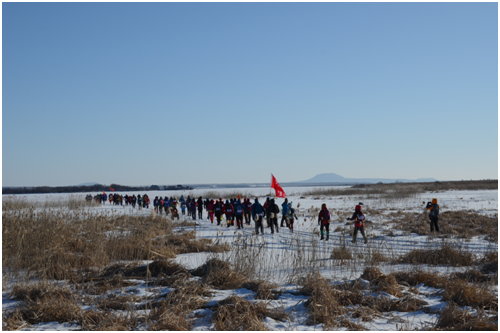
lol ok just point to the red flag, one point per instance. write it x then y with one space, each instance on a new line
111 189
279 190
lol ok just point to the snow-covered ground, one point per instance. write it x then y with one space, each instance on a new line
278 251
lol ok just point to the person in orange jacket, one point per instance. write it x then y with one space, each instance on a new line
434 214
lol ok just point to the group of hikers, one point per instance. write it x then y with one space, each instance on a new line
117 199
239 210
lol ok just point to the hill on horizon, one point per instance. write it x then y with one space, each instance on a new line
335 178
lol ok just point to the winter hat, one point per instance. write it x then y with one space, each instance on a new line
358 207
435 201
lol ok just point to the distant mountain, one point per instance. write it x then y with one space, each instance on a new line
334 178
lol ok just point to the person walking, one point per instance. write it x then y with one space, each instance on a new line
248 210
272 211
290 215
210 210
200 208
218 211
324 221
258 213
229 211
434 214
192 208
359 223
284 211
183 205
239 210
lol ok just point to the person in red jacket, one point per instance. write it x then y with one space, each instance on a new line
210 210
248 210
359 223
324 221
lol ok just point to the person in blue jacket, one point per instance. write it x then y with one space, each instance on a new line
183 205
258 213
284 211
239 210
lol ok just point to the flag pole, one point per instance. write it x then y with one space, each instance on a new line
270 191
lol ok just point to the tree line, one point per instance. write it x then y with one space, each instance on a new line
89 188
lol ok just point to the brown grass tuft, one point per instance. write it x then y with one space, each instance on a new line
382 282
446 255
418 276
452 318
341 253
262 289
219 274
237 314
467 294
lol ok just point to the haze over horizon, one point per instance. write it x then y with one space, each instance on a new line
200 93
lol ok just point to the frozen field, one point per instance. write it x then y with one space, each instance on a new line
282 257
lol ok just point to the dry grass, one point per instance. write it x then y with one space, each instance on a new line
219 274
446 255
461 224
418 276
263 289
61 245
117 302
39 290
92 320
187 243
237 314
468 294
323 304
341 253
453 318
382 282
50 307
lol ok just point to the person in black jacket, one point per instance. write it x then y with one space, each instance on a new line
272 211
200 208
434 214
218 211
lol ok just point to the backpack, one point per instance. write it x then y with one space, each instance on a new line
361 218
239 210
325 215
434 211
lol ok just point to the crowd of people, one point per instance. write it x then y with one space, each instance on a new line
243 211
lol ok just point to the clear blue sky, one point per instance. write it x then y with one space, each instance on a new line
184 93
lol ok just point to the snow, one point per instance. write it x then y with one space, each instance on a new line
277 251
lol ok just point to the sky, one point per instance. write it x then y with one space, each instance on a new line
201 93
